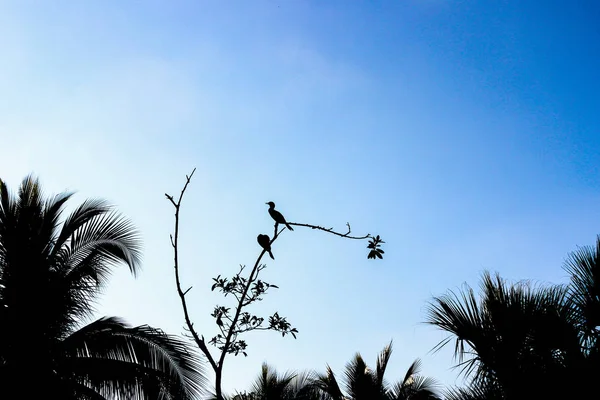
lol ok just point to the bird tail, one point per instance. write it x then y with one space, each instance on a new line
271 255
289 226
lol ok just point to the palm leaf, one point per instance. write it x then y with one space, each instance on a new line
328 384
413 370
474 392
584 267
382 362
87 210
304 387
53 209
80 391
7 206
360 382
413 386
110 234
461 317
143 349
270 385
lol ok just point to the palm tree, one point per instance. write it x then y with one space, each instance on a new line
50 277
584 267
362 383
269 385
518 341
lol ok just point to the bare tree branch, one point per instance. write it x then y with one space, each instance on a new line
330 230
174 242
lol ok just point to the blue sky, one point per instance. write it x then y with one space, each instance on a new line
466 133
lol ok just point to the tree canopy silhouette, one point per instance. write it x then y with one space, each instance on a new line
525 341
363 383
269 385
51 274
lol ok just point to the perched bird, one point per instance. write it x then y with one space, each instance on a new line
277 216
265 243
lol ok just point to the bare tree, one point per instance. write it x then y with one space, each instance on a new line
246 290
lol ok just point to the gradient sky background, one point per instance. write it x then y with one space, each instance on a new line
466 133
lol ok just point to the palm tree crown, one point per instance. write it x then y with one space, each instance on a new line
51 274
270 385
524 341
362 383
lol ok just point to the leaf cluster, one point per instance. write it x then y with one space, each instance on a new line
245 292
375 248
236 286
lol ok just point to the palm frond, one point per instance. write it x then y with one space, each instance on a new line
584 267
474 392
27 223
269 385
80 391
144 349
53 209
360 382
7 204
76 289
87 210
114 378
113 236
424 388
460 316
301 387
30 194
415 387
23 239
98 240
329 385
8 217
412 370
382 362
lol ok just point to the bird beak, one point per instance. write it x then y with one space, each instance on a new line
266 203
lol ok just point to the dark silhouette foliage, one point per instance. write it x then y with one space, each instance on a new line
375 248
363 383
51 274
523 341
269 385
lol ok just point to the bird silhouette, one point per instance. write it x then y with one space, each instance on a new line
277 216
265 243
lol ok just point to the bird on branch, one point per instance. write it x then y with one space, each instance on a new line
277 216
265 243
